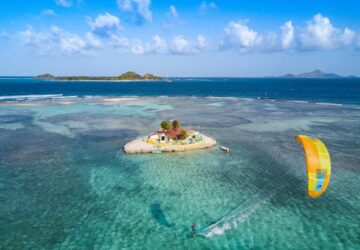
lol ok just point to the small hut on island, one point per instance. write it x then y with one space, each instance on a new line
170 131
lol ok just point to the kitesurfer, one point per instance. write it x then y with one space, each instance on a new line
193 228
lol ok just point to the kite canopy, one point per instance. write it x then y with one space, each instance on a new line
317 163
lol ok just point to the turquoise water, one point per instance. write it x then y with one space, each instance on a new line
65 183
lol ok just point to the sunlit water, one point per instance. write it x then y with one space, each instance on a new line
66 184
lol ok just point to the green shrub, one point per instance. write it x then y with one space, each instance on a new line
183 135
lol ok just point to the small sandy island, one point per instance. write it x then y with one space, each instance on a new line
170 138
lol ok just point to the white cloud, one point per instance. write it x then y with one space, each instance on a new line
239 35
105 24
119 42
137 47
287 35
172 18
143 9
69 3
204 6
270 42
48 12
92 41
321 34
172 11
42 41
318 34
347 37
159 45
202 42
57 41
64 3
126 45
180 45
125 5
140 9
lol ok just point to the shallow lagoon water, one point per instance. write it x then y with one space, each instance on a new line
65 183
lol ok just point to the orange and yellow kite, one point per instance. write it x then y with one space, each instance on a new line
317 163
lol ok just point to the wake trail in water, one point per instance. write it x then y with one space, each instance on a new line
242 212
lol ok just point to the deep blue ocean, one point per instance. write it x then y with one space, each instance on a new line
65 182
313 90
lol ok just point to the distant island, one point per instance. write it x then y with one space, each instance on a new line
132 76
128 76
314 74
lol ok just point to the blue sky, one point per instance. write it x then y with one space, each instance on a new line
179 38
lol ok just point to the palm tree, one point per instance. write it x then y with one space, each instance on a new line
175 124
165 125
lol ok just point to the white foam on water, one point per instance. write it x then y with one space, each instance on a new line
298 101
29 97
217 104
91 97
12 126
61 97
223 98
329 104
245 210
